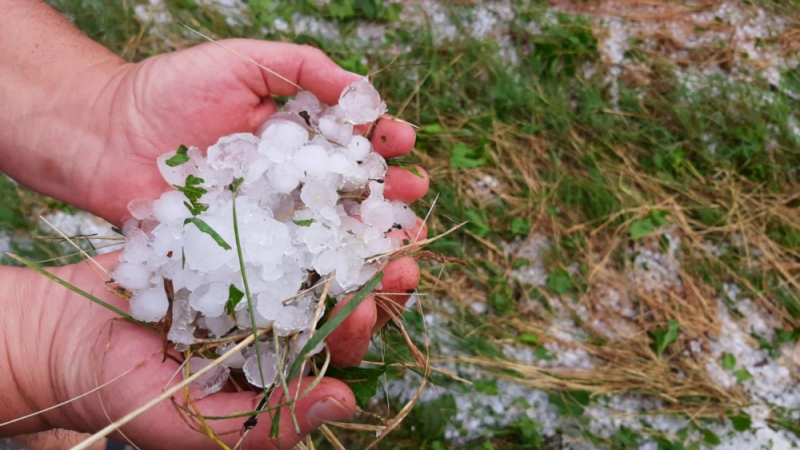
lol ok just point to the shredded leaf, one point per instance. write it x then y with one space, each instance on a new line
202 226
303 223
234 297
181 156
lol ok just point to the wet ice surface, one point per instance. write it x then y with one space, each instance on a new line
297 185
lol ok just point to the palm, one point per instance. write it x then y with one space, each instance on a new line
182 98
116 348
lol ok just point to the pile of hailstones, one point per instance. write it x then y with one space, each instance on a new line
298 183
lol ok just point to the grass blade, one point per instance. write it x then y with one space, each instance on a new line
202 226
337 319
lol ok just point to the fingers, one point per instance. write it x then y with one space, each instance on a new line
400 279
349 342
295 65
390 137
404 185
330 400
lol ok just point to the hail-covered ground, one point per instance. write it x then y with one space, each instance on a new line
587 356
308 197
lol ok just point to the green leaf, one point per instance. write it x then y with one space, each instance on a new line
193 192
334 321
728 361
234 297
181 156
663 338
433 128
303 223
559 281
202 226
530 339
463 157
740 421
362 381
709 437
641 228
236 184
521 226
742 375
486 386
543 354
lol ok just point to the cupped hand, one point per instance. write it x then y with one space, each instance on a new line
193 97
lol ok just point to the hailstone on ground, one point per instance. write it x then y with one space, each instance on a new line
310 205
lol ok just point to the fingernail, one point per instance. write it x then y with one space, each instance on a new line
326 410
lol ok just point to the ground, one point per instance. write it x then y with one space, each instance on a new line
628 172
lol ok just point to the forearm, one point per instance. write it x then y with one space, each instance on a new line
54 99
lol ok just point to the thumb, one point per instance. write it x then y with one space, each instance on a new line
292 65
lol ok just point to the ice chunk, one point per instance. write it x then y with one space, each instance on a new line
317 195
170 207
341 133
202 252
280 138
141 208
182 329
284 177
361 102
312 160
150 305
213 380
291 319
137 247
403 215
269 366
232 152
132 276
210 299
219 326
235 361
378 213
359 147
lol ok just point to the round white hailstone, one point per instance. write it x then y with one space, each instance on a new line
325 262
213 380
341 133
170 207
295 196
141 208
361 102
137 247
132 276
150 305
284 177
210 299
403 215
359 147
283 136
232 152
218 326
313 160
269 366
235 361
291 319
301 340
317 195
176 174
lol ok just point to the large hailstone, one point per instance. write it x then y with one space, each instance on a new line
298 183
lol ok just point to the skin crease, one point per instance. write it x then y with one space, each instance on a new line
108 121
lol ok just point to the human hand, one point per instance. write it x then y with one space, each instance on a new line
145 123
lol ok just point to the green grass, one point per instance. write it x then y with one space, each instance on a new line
593 175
